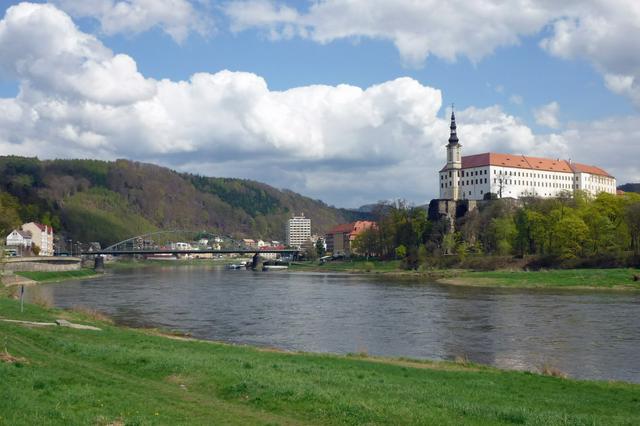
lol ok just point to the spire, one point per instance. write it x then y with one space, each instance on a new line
453 137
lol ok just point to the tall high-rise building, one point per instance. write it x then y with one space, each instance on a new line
298 230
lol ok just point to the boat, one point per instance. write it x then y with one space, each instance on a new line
274 267
234 266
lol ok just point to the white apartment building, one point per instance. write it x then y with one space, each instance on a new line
512 176
298 231
41 236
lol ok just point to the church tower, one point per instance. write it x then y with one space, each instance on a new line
454 161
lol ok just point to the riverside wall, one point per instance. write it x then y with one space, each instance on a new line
40 264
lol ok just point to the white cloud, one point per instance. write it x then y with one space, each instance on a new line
418 29
547 115
344 144
177 18
42 47
605 32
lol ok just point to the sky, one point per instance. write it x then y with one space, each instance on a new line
346 101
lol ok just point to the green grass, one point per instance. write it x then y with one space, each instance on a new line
57 275
348 266
125 376
593 278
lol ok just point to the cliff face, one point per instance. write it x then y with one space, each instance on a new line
92 200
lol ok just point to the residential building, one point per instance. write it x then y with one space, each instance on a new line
20 239
340 238
473 177
249 243
298 231
41 236
270 256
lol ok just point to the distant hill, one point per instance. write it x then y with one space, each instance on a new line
630 187
91 200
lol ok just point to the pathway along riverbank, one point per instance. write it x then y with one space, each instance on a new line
59 375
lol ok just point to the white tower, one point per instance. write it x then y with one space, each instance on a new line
454 162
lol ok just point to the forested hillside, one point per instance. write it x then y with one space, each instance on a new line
90 200
630 187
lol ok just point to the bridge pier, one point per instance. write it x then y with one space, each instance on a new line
98 264
256 262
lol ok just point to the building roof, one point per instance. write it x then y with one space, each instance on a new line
342 228
41 227
353 228
583 168
23 234
528 162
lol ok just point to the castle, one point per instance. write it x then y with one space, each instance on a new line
477 177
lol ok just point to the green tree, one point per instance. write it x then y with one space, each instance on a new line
503 231
320 251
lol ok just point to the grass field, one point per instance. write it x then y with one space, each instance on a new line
592 278
117 376
57 275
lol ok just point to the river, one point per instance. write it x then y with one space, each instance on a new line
586 334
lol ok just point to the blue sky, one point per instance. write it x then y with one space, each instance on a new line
536 82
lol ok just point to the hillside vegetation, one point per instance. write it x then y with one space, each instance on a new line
91 200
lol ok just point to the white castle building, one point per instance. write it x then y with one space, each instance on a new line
472 177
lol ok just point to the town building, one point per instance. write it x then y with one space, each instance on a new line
477 177
298 231
21 240
41 237
339 239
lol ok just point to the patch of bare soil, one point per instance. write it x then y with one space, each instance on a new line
10 359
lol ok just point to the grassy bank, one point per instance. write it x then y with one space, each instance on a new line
41 276
619 278
351 266
55 375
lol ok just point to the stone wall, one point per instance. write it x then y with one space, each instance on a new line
33 264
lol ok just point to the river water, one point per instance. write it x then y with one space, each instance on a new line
591 335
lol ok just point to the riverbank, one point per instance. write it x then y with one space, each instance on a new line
613 279
58 375
56 276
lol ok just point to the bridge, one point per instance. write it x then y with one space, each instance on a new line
151 244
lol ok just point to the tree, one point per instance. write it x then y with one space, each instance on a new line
569 236
632 218
320 251
503 231
401 252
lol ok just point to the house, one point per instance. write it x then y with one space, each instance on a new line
248 242
21 240
41 237
340 238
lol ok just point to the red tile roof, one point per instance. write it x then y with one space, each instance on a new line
527 162
342 228
353 228
583 168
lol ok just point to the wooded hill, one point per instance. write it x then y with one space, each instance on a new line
91 200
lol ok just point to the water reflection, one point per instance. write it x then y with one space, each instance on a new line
586 334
